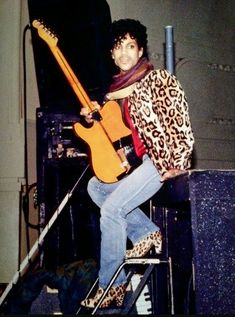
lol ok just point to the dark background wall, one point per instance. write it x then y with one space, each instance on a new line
81 28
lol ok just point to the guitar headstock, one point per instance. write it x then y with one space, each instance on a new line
48 36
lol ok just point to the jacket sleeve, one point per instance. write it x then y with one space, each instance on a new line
174 118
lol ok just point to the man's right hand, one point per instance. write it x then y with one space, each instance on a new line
85 112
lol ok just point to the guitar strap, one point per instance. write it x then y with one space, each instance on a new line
120 94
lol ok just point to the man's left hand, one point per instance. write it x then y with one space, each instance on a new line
171 173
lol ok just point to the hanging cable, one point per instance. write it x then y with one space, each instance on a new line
25 199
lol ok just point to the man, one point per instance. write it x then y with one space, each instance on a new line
155 109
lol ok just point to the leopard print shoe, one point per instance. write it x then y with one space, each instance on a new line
114 296
142 247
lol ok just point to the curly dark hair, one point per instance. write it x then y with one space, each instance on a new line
136 30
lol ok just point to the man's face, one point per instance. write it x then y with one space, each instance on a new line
126 53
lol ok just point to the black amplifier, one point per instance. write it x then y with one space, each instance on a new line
62 158
56 137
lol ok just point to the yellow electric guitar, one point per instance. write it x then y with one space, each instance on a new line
109 163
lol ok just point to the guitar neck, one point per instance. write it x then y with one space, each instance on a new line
72 79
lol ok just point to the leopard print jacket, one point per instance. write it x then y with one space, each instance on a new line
159 111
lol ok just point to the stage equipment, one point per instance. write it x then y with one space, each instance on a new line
200 208
62 157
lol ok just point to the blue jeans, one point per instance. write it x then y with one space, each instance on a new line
121 217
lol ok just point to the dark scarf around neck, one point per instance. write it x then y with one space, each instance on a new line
142 68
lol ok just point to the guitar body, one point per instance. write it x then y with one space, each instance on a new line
105 161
